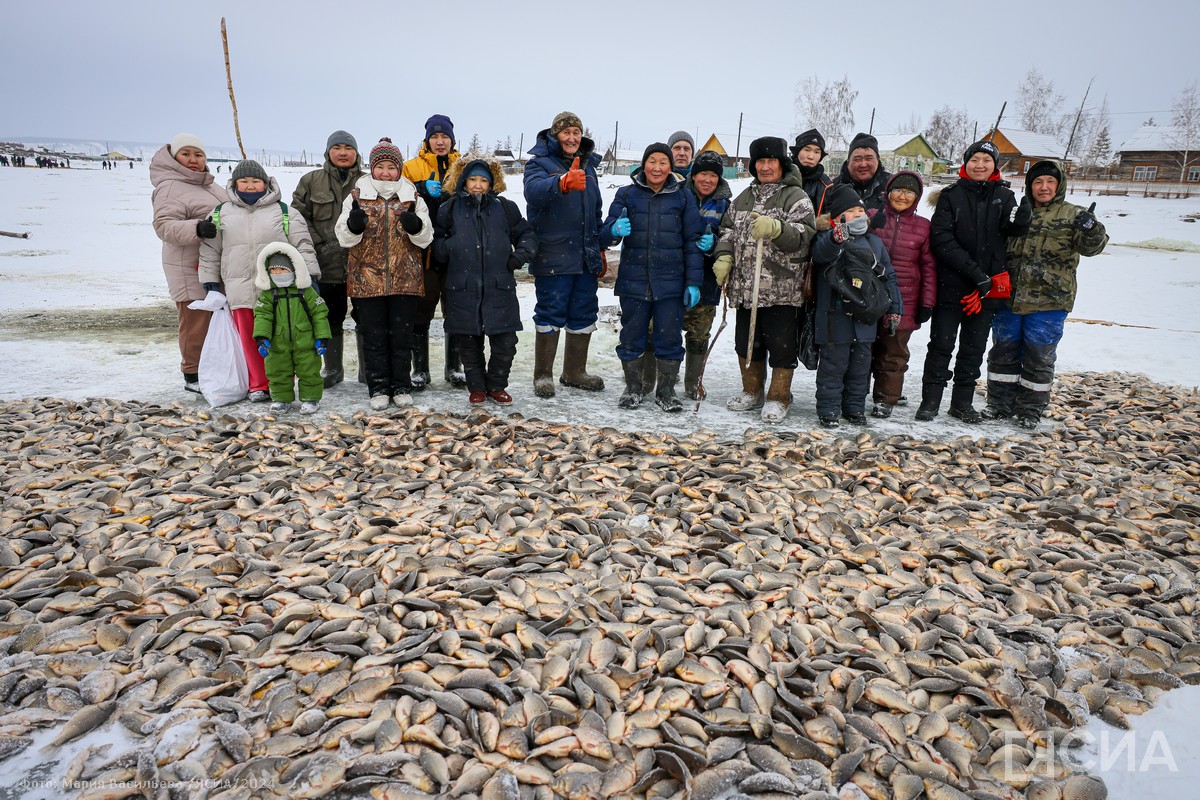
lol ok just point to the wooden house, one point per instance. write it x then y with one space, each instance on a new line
1154 153
897 151
1020 150
621 162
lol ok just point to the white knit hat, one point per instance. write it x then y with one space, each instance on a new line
182 140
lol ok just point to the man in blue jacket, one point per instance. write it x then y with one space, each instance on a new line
562 197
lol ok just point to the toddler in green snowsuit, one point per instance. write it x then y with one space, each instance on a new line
291 326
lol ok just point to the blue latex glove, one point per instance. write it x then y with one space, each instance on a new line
706 242
622 227
264 347
320 346
691 296
434 187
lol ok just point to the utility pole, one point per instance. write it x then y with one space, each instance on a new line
738 150
1075 126
521 150
871 128
616 130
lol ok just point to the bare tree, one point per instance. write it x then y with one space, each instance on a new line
828 107
1087 137
912 124
1185 117
949 132
1039 105
476 146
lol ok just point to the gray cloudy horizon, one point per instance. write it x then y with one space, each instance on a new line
143 71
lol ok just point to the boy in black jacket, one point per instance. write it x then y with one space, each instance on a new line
972 219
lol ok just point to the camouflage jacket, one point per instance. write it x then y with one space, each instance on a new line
785 258
384 260
1043 262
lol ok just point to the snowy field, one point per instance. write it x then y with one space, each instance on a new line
84 312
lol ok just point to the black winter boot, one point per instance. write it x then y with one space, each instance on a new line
574 371
931 401
693 365
454 369
420 358
545 348
664 394
333 374
649 368
961 404
632 396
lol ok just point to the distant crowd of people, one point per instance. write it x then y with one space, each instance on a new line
44 162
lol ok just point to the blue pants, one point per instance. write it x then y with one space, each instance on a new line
636 316
565 301
1021 361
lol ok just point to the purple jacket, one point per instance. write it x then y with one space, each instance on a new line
906 238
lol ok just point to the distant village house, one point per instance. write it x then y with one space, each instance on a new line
1158 153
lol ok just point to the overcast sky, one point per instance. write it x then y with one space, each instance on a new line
141 71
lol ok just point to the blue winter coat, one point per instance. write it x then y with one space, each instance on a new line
833 324
712 209
661 256
481 241
567 225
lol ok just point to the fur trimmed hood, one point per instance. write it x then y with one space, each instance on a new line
454 176
262 280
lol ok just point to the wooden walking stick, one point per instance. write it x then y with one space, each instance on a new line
712 343
754 301
14 235
229 80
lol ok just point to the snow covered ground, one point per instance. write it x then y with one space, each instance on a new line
84 312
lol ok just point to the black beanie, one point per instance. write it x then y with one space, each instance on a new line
863 140
840 199
708 161
657 147
983 147
1038 170
768 147
905 180
811 136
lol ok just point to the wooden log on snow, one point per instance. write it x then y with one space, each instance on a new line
15 235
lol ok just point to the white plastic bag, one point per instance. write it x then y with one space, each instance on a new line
224 378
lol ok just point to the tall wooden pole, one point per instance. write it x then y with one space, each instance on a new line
229 81
737 151
1075 125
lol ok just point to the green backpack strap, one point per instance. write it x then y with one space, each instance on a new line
216 216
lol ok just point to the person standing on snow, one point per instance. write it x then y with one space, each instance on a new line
774 210
658 224
427 171
562 196
480 239
386 227
844 369
253 217
184 195
1043 264
905 236
807 154
318 198
863 172
291 327
713 195
971 221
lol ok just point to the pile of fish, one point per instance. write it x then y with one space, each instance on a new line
418 604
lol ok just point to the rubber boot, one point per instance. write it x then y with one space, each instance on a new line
420 358
931 401
333 374
545 348
693 365
779 396
632 396
664 394
754 377
962 407
362 370
574 371
454 374
649 370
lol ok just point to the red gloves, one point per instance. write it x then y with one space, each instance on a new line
971 304
1001 286
574 180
